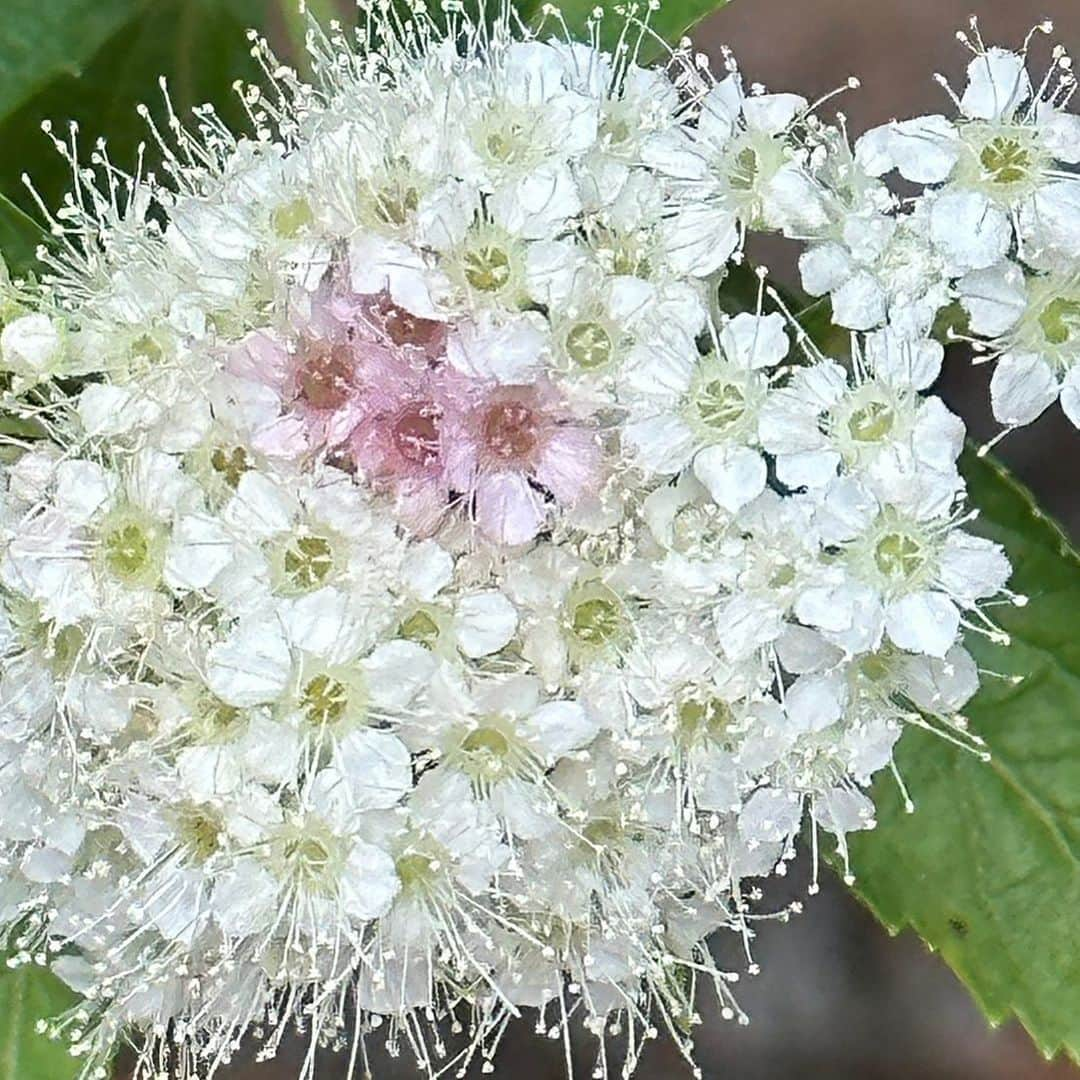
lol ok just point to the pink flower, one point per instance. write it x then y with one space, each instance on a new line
404 444
319 383
523 450
378 318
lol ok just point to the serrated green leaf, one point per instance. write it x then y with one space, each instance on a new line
987 870
29 994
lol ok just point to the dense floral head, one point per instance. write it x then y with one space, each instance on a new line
425 598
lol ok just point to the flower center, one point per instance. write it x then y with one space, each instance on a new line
394 203
133 548
720 404
420 627
292 218
899 555
487 268
416 871
307 853
415 433
700 720
324 701
200 831
326 376
488 754
1005 160
217 722
596 618
308 561
1060 320
230 464
404 328
589 345
510 429
745 168
871 422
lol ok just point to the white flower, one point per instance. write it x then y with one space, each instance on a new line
702 411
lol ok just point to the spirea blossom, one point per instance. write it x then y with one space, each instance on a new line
423 599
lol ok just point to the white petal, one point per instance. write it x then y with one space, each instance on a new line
770 815
484 623
426 570
997 83
860 302
376 769
260 508
396 671
369 883
923 150
1021 388
972 567
82 488
661 444
1060 133
924 622
994 298
558 727
971 230
755 341
252 665
1070 395
772 113
824 267
813 702
734 475
30 345
199 549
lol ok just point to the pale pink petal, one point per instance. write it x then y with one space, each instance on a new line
569 465
261 359
508 510
285 437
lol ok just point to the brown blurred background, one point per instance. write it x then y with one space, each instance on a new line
836 997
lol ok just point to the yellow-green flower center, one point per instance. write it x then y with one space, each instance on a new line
308 562
292 219
719 404
1060 320
487 268
589 345
899 555
1005 160
871 422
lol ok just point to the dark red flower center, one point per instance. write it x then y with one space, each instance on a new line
326 379
510 430
415 432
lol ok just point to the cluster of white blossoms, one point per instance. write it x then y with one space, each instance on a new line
423 600
995 230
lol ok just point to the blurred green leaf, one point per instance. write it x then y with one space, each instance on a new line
674 19
94 61
41 42
20 234
987 870
29 994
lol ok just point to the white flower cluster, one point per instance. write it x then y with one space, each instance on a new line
422 600
995 230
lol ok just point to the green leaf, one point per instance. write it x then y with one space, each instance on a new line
674 19
29 994
40 42
987 870
94 61
20 234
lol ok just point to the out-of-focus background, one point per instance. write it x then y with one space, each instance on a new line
836 998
